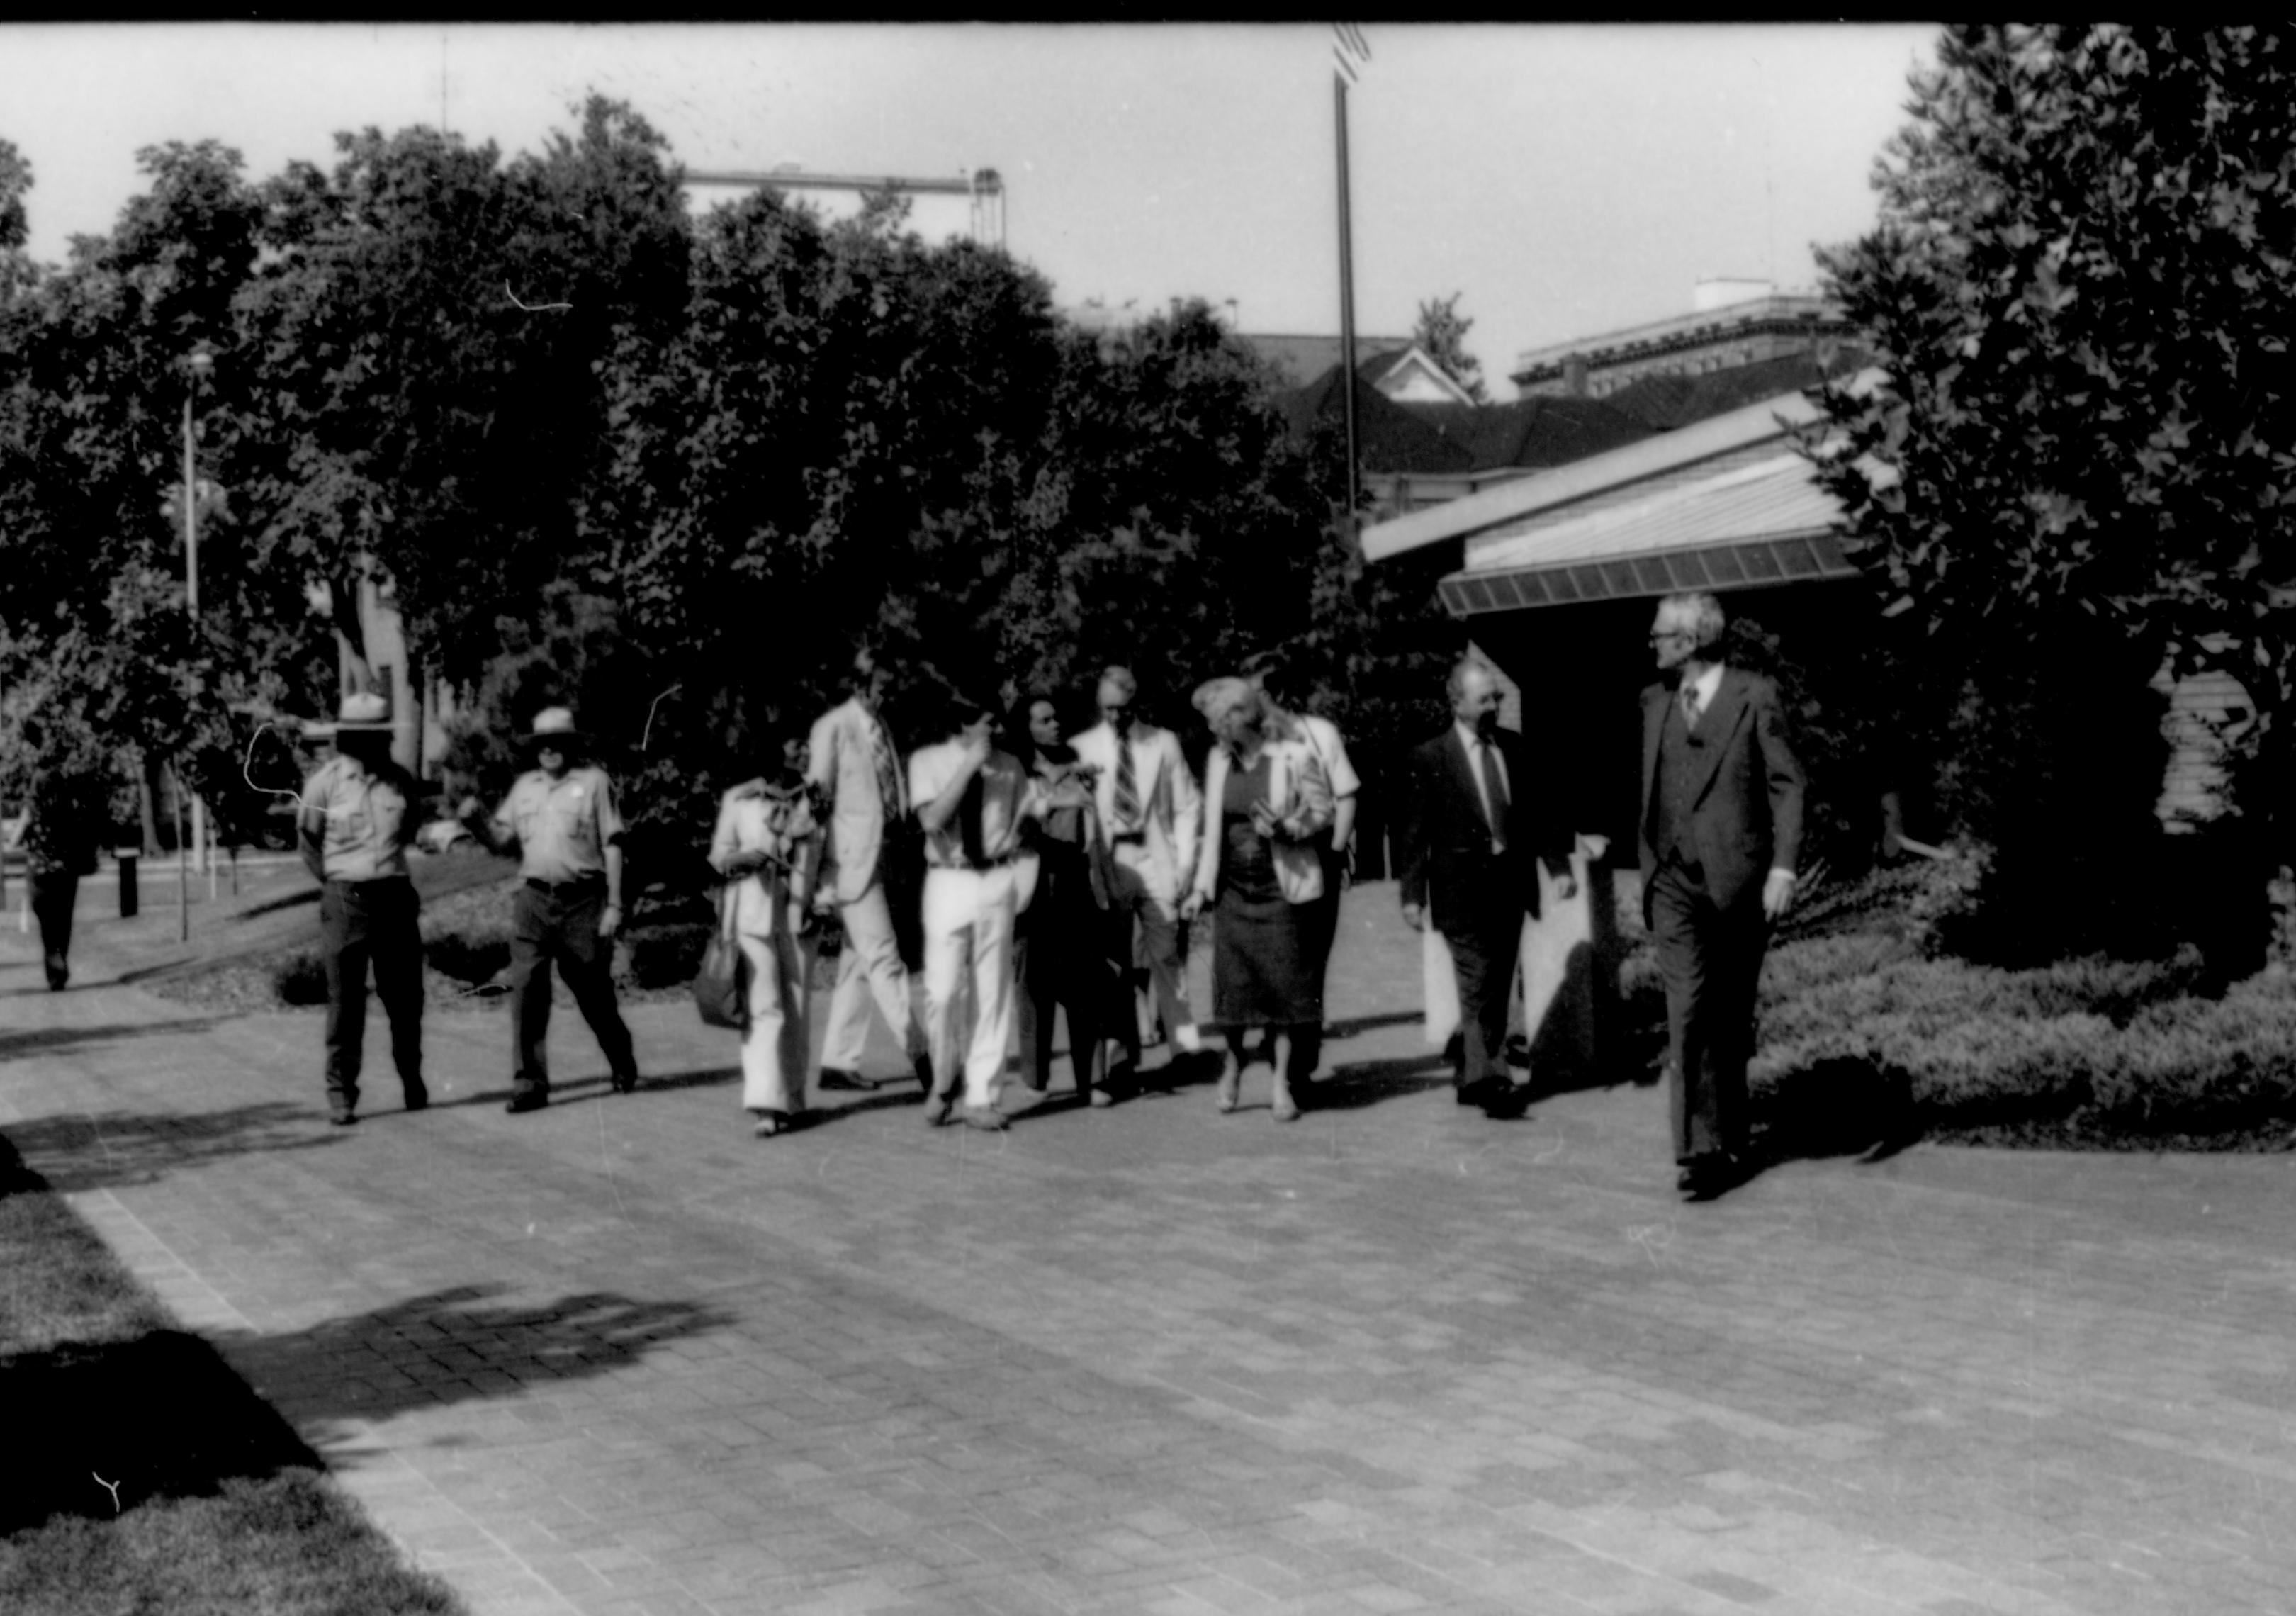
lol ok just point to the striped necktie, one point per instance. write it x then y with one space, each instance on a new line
1127 788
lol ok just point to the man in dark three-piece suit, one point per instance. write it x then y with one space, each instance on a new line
1477 814
1721 829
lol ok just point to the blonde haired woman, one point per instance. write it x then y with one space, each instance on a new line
767 846
1265 798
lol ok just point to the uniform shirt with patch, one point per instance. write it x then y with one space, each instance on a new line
358 820
562 826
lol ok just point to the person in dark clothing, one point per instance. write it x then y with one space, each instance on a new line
1062 954
69 811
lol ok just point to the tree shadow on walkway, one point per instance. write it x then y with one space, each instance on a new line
453 1346
111 1149
49 1040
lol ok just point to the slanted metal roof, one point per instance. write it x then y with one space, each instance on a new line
1766 523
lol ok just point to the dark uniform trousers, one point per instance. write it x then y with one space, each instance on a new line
1710 959
559 921
54 895
363 922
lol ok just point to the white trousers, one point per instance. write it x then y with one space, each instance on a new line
870 968
774 1048
1143 887
968 927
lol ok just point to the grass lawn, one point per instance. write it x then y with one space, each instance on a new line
142 1474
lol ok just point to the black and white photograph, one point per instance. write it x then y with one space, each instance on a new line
1147 818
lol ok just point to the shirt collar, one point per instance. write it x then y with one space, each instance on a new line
1709 684
1467 734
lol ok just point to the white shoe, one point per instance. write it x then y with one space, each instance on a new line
1189 1040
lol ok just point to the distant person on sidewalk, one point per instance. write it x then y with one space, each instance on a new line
1151 810
855 768
355 820
970 798
1721 828
561 816
70 810
1479 811
767 846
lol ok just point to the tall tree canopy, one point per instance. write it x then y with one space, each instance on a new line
2082 289
1442 331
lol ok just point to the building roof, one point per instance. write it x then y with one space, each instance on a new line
1391 438
1664 402
1544 492
1769 522
1300 361
1531 432
1779 310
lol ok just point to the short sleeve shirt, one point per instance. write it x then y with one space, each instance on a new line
1005 797
563 826
359 820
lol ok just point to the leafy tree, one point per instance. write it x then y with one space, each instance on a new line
2081 289
1442 331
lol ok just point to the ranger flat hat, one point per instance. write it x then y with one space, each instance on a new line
362 712
555 725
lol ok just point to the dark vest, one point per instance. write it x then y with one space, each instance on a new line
1680 763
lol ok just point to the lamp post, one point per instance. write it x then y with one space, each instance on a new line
196 364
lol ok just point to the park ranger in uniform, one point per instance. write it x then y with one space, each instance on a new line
560 815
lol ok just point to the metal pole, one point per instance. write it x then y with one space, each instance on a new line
196 364
1347 300
182 863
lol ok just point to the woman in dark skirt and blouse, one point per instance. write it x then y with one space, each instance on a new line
1266 799
1060 953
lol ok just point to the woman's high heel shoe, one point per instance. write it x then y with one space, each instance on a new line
1230 1079
1285 1108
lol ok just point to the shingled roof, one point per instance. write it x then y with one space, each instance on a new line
1663 403
1302 361
1391 437
1531 432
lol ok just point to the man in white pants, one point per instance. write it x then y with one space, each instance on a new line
858 771
970 799
1150 806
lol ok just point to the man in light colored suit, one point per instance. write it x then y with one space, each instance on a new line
1720 829
1149 802
856 767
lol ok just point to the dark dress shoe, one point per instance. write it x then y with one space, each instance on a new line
837 1077
526 1101
1704 1177
341 1116
627 1083
418 1096
1504 1101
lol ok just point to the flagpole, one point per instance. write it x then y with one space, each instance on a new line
1347 305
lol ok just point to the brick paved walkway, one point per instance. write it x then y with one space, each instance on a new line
618 1358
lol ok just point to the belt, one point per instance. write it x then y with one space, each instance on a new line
1132 838
579 882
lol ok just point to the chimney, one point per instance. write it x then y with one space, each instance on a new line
1574 375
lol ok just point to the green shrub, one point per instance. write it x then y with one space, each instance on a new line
467 958
662 955
2204 1066
300 978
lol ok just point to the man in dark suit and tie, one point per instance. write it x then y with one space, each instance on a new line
1720 829
1477 816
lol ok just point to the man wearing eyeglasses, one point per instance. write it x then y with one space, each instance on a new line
1721 829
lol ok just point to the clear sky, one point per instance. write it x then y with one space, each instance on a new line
1566 180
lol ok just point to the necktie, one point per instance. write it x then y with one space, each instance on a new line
1689 705
1127 788
1495 796
970 834
888 771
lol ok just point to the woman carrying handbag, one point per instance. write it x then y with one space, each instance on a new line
767 846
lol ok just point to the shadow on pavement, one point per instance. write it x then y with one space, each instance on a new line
159 1417
108 1150
1360 1083
1835 1107
48 1040
453 1346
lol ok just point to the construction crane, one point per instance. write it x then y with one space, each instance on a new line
984 186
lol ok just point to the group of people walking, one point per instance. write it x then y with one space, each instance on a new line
1052 864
